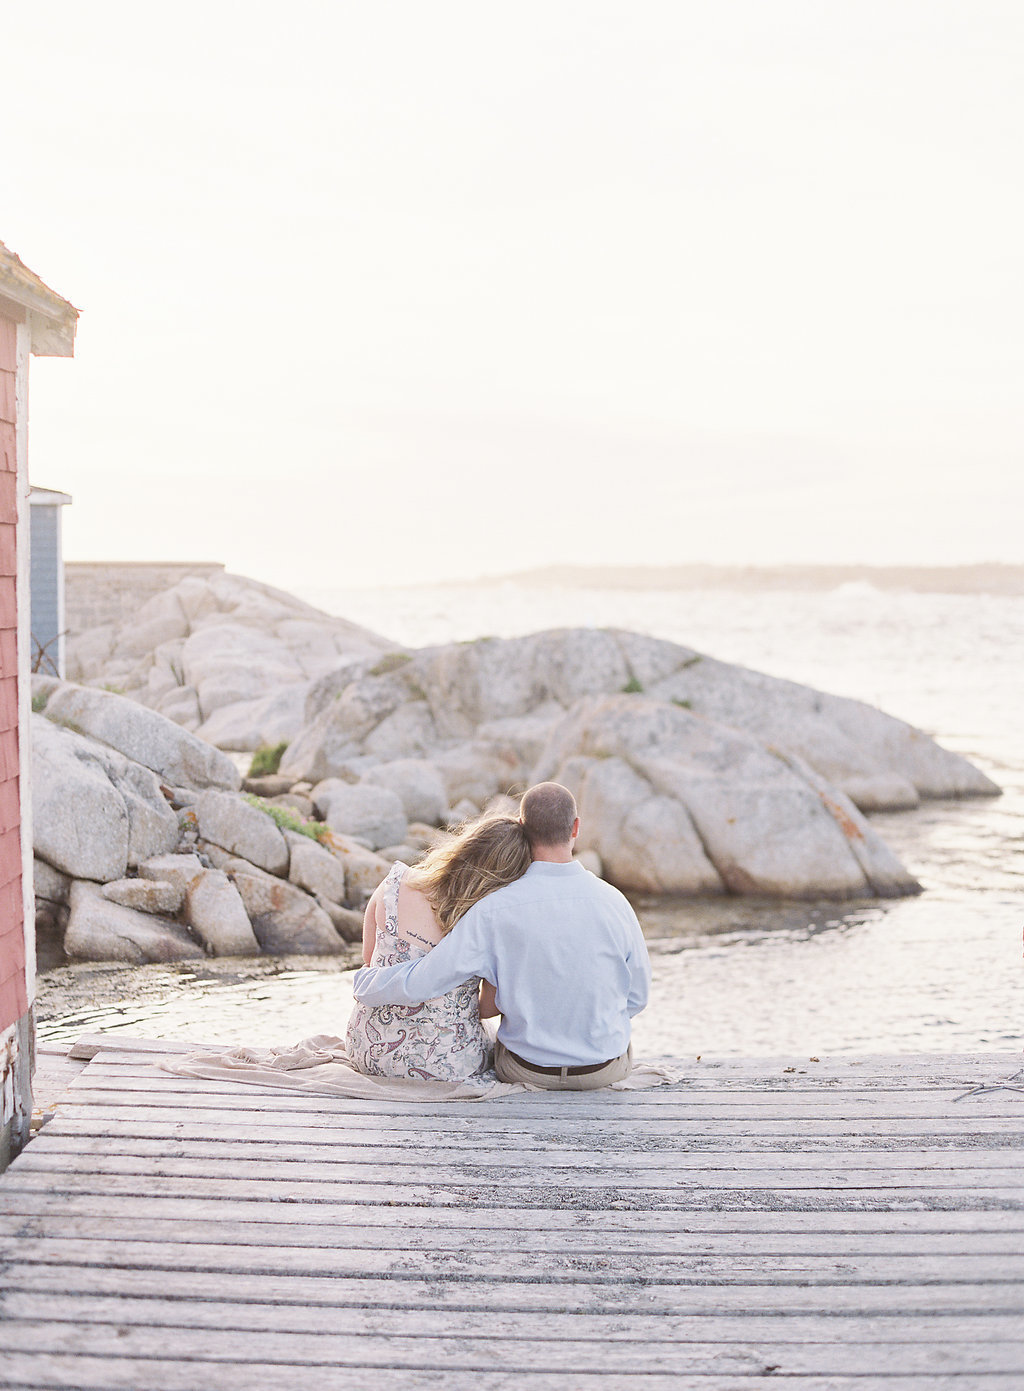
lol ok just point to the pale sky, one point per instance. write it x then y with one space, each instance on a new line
405 290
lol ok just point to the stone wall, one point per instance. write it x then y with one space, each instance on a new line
101 592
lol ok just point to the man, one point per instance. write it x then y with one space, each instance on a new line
563 950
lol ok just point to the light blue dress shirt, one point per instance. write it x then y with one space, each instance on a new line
565 953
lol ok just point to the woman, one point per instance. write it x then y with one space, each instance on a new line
442 1040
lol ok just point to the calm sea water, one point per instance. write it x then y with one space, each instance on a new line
941 972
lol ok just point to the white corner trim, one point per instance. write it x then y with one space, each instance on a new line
25 658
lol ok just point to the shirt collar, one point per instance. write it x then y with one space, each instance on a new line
542 868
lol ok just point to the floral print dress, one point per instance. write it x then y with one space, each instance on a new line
441 1040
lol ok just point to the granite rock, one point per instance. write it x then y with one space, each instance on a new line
217 915
243 830
373 815
418 785
147 895
142 735
99 930
315 869
284 918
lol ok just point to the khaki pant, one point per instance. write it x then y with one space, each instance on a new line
509 1069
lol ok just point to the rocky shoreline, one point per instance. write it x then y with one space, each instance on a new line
694 776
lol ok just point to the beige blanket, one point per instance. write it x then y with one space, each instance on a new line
320 1066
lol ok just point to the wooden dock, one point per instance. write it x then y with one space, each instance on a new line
835 1226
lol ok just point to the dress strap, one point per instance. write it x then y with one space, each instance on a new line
392 883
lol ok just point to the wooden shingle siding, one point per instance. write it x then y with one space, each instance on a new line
8 400
8 694
8 560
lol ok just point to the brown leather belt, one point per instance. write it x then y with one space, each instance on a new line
577 1071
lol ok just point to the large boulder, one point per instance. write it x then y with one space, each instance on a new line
645 840
364 869
147 895
501 697
99 930
373 815
180 758
476 771
468 684
229 662
336 732
160 620
242 829
49 883
880 762
223 643
734 809
79 819
217 916
152 825
417 784
182 706
94 811
408 732
177 870
261 720
315 869
284 918
348 922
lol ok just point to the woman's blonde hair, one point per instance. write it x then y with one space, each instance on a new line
481 857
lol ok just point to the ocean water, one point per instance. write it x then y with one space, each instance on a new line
941 972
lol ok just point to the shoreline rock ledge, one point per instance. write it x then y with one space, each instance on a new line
147 850
694 776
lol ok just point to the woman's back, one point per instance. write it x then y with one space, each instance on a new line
441 1039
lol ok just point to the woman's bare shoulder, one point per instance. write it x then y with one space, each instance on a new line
416 911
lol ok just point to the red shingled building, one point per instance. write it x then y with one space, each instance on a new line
33 320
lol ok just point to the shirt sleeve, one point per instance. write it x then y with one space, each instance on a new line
639 964
457 958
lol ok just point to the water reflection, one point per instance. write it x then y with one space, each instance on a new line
672 924
729 979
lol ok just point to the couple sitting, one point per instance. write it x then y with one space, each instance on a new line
501 921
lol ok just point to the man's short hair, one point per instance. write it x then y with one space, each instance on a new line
547 812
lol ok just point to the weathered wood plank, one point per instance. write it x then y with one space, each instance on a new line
296 1230
678 1105
853 1070
513 1169
954 1083
942 1070
471 1128
441 1323
629 1297
551 1267
546 1194
614 1225
265 1154
34 1371
485 1353
125 1047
